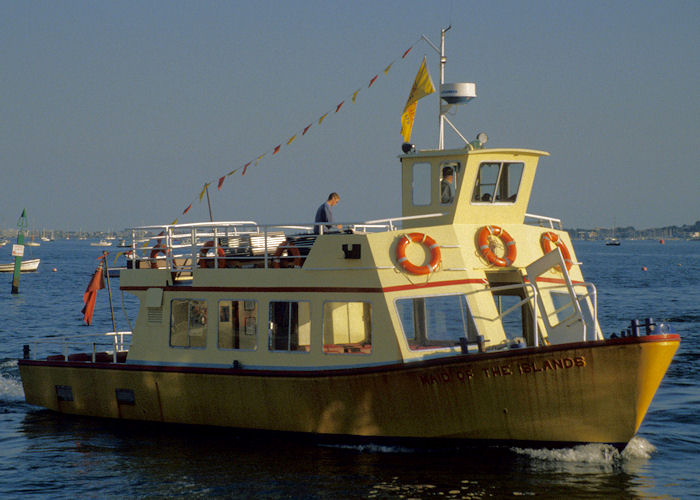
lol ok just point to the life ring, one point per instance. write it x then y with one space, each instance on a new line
485 248
292 251
208 262
423 239
546 241
158 248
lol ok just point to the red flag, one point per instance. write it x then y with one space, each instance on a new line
187 209
245 167
372 81
96 283
339 106
306 129
406 53
277 149
221 181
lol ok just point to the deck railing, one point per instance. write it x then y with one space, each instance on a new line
104 347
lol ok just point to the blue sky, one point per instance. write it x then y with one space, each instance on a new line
115 114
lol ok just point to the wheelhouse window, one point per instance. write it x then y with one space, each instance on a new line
497 182
238 324
448 182
434 322
347 327
188 323
290 326
421 184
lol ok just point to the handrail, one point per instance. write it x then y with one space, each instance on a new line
551 221
90 342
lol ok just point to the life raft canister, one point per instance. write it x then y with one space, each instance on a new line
208 262
485 248
423 239
158 248
292 251
546 241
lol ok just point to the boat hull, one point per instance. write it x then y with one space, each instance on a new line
577 393
27 266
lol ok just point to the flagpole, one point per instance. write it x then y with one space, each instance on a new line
109 291
211 218
443 61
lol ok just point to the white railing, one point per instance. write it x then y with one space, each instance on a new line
93 346
184 247
542 221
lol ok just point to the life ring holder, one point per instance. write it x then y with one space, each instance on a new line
423 239
485 249
208 262
292 251
158 248
546 241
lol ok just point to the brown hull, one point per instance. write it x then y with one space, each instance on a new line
592 392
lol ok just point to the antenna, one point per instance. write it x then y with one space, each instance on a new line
453 94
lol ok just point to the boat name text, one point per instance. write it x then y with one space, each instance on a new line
503 370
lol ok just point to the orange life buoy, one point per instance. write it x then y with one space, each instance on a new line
485 247
292 251
546 241
208 262
424 239
158 248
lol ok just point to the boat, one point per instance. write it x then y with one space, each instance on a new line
101 243
27 266
612 242
464 320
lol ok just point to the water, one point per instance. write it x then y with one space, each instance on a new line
43 454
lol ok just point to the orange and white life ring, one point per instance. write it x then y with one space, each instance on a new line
158 248
423 239
292 252
208 262
546 241
485 247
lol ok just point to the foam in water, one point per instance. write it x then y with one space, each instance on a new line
594 453
10 387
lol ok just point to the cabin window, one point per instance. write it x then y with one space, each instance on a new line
448 182
347 327
421 184
188 323
438 321
290 326
497 182
238 324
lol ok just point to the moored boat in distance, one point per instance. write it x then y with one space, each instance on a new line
101 243
464 319
27 266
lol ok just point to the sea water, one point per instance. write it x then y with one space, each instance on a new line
48 455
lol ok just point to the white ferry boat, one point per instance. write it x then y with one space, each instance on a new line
464 319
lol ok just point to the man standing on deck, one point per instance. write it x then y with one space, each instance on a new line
324 213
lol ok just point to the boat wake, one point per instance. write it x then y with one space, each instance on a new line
594 453
10 386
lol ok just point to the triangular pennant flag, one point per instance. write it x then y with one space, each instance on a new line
320 120
372 81
204 190
245 167
97 282
260 158
386 70
174 223
221 181
291 139
406 53
233 171
337 108
354 95
306 129
187 209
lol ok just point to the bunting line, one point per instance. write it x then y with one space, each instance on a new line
276 149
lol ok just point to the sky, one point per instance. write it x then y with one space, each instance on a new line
115 114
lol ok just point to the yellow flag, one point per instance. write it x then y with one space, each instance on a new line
422 86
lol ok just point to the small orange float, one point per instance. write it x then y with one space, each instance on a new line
208 262
292 252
